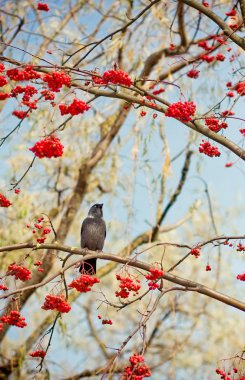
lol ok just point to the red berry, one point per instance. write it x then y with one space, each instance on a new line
182 111
56 302
75 108
4 202
193 73
117 77
19 272
38 354
49 147
84 283
206 148
57 79
42 7
14 319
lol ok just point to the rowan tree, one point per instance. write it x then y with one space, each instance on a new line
136 104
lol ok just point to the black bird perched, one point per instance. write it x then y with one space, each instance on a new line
93 233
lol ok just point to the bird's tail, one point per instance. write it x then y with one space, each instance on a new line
88 267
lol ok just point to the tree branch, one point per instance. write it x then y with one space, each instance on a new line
199 288
218 20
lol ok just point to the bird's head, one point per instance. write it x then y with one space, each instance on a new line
96 210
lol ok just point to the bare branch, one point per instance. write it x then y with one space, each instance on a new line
122 29
218 20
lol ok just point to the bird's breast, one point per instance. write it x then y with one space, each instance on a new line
93 234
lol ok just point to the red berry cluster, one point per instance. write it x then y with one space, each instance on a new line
208 268
126 286
204 45
4 95
215 124
97 79
240 247
154 275
38 354
193 73
195 252
231 13
242 131
3 80
40 230
3 287
42 7
227 375
19 272
207 58
227 243
117 77
181 111
48 95
230 94
84 283
227 113
241 277
32 105
4 202
157 92
153 285
20 114
56 302
26 74
172 47
75 108
48 147
240 88
28 92
105 321
38 263
220 57
14 319
56 80
137 370
233 19
208 149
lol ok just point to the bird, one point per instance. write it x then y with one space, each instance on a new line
93 234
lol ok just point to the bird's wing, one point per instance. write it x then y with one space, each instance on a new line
85 224
93 232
